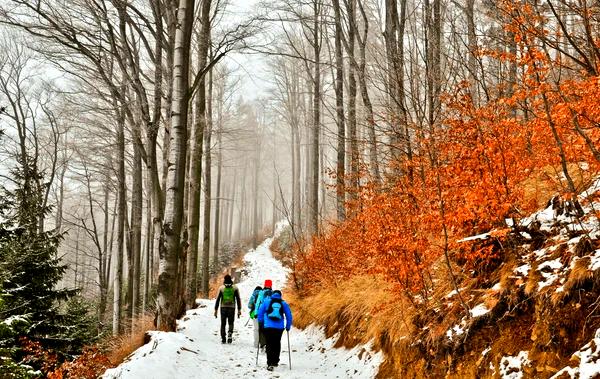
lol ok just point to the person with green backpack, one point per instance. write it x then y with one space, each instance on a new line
228 296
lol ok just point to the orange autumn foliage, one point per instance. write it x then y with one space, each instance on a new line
88 365
467 173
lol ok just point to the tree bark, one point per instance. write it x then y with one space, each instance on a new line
352 92
219 168
255 196
340 118
118 282
169 301
207 205
136 229
313 209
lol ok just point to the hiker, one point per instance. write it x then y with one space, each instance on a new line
262 296
253 309
228 296
271 313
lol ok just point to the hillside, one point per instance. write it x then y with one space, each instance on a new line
531 312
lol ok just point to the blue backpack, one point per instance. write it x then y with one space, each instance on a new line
275 310
265 294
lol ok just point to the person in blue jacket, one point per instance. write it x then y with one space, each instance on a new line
275 315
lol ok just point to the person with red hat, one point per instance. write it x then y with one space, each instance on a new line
262 296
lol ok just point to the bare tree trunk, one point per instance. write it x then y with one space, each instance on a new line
107 259
308 126
196 162
313 216
169 301
352 92
361 71
118 282
296 199
232 200
255 196
340 119
219 167
61 199
102 280
241 218
225 206
149 248
136 228
76 259
210 123
207 206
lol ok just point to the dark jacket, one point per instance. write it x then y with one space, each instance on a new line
236 295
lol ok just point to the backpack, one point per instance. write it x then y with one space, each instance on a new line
266 293
253 300
228 295
275 310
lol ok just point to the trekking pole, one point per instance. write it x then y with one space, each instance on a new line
247 321
257 350
289 350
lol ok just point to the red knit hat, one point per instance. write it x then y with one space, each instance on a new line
268 283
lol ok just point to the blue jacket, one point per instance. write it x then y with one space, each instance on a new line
275 324
253 299
253 302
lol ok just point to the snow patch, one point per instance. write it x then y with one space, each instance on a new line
511 367
595 260
479 310
483 236
549 277
525 235
589 361
523 270
12 319
455 331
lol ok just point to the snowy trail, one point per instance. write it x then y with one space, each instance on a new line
195 351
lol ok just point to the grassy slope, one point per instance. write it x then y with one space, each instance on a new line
541 296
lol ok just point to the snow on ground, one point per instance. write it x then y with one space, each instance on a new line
195 351
479 310
512 367
588 360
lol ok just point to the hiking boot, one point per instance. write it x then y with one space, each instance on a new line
270 368
229 340
222 340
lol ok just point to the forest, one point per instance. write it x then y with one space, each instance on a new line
145 145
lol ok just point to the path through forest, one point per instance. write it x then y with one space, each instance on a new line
195 351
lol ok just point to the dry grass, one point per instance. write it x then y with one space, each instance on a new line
361 309
533 279
121 346
545 183
579 273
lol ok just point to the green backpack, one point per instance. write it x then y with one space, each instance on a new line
228 295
